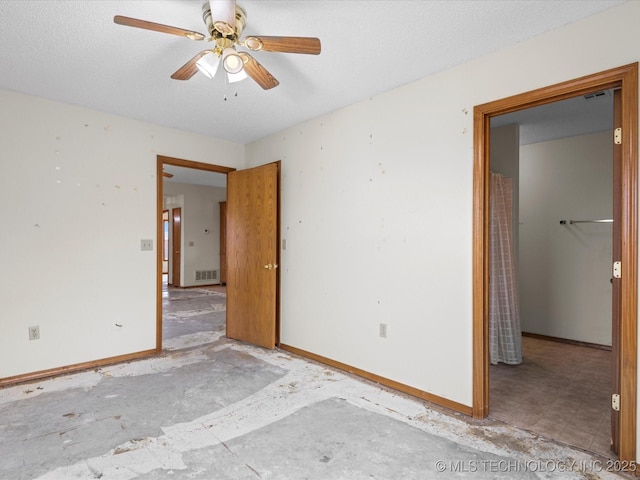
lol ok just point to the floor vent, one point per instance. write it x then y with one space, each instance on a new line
206 275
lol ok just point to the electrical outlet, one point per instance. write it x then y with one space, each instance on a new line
383 330
34 333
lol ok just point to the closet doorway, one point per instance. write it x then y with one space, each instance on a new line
624 352
556 379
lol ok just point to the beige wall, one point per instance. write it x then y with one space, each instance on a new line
77 194
505 160
200 214
377 208
565 269
376 211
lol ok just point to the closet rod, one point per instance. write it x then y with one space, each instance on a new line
571 222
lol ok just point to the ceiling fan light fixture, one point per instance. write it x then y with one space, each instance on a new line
208 64
224 28
237 77
225 21
231 61
224 16
253 43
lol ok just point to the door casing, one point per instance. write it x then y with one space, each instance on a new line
160 162
615 282
625 78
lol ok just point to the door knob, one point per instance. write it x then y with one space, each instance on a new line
270 266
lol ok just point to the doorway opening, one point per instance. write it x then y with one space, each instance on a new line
171 229
550 345
624 349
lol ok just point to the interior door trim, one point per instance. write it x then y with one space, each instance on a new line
625 78
162 160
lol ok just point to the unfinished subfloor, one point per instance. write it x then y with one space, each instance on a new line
212 408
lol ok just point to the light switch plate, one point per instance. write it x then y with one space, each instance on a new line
383 330
146 244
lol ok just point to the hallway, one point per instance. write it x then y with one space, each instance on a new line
192 316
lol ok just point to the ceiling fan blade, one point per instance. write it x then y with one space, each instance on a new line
223 15
157 27
257 72
189 69
308 45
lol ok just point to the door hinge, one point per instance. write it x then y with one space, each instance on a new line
617 270
615 402
617 136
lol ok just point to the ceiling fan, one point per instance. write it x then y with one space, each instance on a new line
225 22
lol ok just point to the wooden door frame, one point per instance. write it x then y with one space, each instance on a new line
161 161
176 247
625 78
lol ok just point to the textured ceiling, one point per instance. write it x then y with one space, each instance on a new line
71 51
568 118
195 177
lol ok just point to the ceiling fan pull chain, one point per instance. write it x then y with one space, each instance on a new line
235 94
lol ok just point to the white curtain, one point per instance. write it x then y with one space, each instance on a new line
505 338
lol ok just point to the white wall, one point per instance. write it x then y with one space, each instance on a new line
376 204
505 160
565 269
377 208
77 194
200 213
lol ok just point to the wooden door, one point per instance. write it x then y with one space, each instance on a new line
616 300
176 256
223 243
252 255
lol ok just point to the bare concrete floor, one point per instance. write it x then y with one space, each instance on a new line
192 316
227 410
